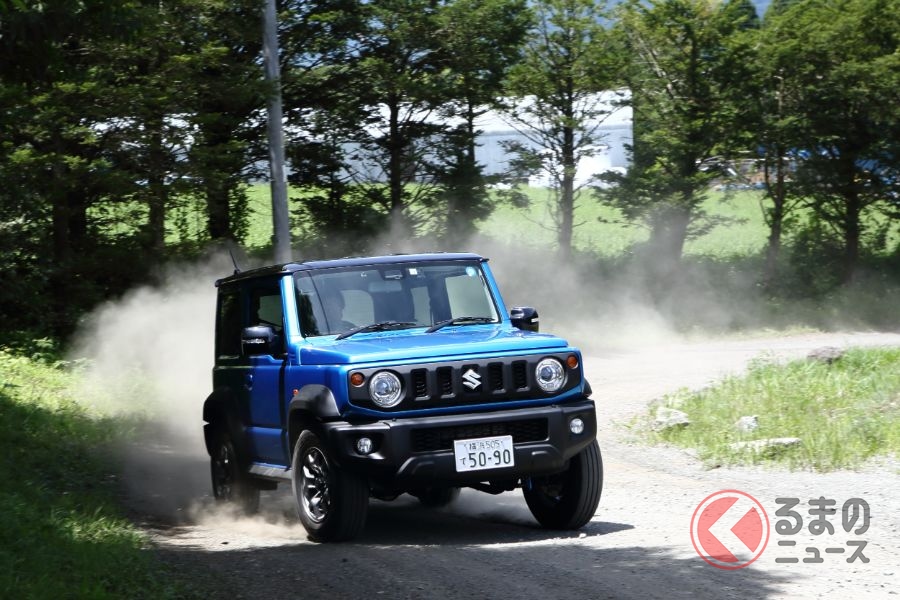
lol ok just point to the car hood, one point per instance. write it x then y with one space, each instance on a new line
406 345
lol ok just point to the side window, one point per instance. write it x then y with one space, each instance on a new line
228 340
468 297
266 308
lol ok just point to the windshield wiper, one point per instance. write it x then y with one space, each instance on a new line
379 326
458 321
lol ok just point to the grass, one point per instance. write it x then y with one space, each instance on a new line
62 534
602 232
844 413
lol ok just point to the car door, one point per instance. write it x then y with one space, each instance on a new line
263 381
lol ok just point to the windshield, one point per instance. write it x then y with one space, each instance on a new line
333 301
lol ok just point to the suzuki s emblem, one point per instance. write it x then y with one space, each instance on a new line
471 379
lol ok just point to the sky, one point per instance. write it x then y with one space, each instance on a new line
761 6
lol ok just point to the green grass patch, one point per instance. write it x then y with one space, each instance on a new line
599 229
61 532
844 413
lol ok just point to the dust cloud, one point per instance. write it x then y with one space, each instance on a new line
598 314
150 355
151 351
148 360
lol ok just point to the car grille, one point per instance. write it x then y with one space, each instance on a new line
471 381
441 438
457 383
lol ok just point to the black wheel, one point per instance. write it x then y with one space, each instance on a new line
230 483
436 497
332 504
569 499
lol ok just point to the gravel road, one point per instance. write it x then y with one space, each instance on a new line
638 545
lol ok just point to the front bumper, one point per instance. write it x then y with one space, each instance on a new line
418 452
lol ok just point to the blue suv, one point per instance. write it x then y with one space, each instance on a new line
374 377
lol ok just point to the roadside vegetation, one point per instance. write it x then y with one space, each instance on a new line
844 413
62 531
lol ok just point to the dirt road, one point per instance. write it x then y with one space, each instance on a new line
637 546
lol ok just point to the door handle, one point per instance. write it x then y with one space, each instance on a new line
248 382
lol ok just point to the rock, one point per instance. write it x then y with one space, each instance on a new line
769 447
826 354
670 418
747 423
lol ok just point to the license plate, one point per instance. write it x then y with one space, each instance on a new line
484 453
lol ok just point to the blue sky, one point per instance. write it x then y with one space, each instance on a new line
761 6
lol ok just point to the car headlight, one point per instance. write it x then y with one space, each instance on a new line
550 374
385 389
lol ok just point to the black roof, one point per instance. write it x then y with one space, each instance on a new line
357 261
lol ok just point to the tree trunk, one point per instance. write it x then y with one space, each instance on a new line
396 147
852 233
62 245
776 223
218 162
566 202
218 210
158 192
669 234
69 216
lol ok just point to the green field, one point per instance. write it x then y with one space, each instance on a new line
717 288
600 232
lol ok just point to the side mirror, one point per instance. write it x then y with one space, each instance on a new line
525 318
256 340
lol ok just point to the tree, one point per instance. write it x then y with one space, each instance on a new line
54 153
398 61
481 41
150 80
769 133
98 103
383 100
380 89
225 109
323 94
686 75
840 61
555 101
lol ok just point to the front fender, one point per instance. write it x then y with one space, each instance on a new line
315 399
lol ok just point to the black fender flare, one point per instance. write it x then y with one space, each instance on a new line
220 409
313 402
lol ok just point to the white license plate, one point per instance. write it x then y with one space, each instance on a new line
484 453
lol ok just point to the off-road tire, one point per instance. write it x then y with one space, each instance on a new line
332 504
569 499
230 482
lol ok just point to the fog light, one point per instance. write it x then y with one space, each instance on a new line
576 426
364 446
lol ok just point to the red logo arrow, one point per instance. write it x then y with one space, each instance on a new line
752 530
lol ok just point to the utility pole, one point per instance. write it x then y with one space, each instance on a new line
281 233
